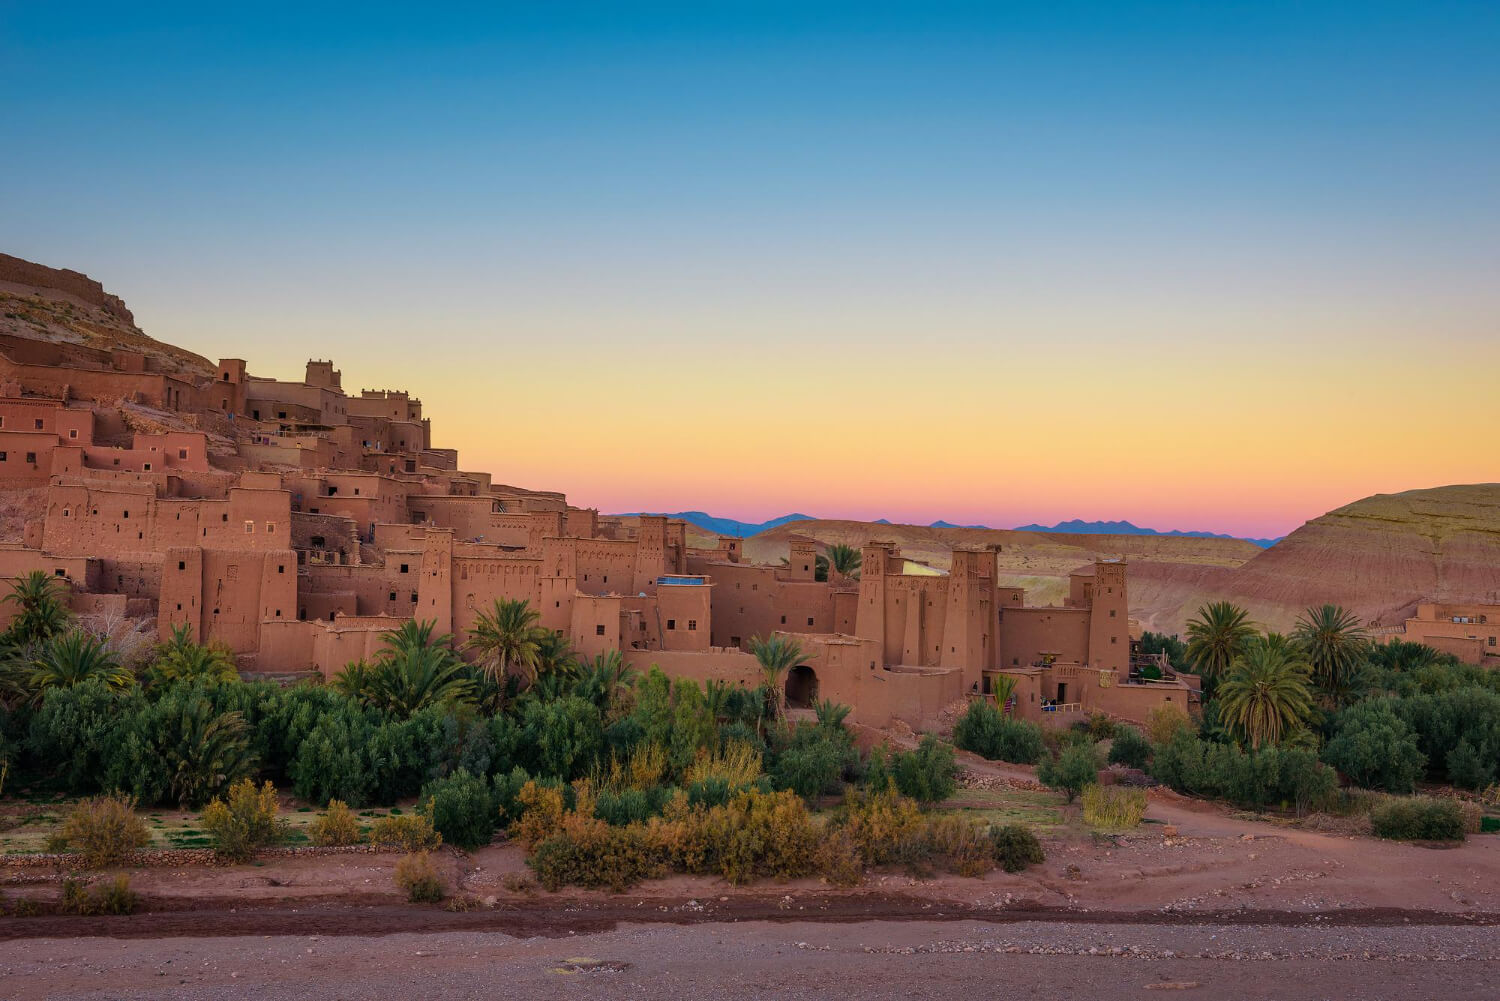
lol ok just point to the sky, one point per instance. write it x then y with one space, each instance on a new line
1200 266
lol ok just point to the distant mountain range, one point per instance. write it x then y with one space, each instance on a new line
1079 527
726 526
745 529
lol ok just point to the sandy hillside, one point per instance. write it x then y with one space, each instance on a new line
1039 561
1378 556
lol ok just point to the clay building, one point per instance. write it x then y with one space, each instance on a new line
297 524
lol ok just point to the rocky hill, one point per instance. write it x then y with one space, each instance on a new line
1378 556
66 307
1039 561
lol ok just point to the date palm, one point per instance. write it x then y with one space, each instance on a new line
844 560
1266 694
181 658
1217 635
41 611
74 658
776 654
415 670
1335 644
507 638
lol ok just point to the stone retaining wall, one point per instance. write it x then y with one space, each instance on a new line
174 857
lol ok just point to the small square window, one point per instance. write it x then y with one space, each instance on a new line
393 596
809 621
692 625
249 528
31 457
182 564
182 453
599 630
671 623
783 620
38 423
405 568
147 467
72 432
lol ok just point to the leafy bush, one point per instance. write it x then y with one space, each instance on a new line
811 760
416 874
564 737
991 734
411 832
104 830
1418 818
1071 771
462 809
1101 727
626 806
1376 749
738 764
1166 721
1113 808
335 827
1016 847
1252 780
882 826
112 897
245 822
927 774
1129 748
598 855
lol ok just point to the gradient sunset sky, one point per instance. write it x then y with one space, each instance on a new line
1199 266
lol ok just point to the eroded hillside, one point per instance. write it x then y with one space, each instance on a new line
1379 556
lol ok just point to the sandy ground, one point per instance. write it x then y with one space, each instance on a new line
910 959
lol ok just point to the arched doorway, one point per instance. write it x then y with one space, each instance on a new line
801 688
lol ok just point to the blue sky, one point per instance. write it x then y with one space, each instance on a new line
1005 208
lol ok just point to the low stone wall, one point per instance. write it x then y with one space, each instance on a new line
167 858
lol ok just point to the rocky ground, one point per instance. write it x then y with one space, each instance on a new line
707 961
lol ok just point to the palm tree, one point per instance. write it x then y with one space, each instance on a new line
1266 694
74 658
181 658
416 670
42 613
831 714
602 678
507 637
554 655
1334 643
212 752
777 654
844 560
1216 637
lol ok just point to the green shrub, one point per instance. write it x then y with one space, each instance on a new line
1376 749
1016 847
1165 722
112 897
1071 771
811 760
1101 727
416 875
597 856
462 809
411 832
335 827
927 774
989 733
1129 748
1113 808
1251 780
245 822
1418 818
104 830
631 806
